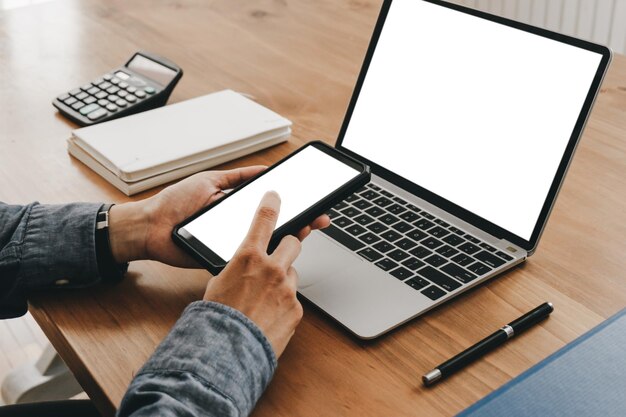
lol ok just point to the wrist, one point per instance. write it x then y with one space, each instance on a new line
127 231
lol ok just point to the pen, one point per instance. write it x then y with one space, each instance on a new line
488 344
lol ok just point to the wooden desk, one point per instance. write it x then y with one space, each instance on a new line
301 59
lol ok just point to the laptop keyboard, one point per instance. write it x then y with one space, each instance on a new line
412 245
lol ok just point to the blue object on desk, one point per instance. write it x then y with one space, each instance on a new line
585 378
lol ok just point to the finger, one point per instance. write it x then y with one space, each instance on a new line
264 221
321 222
234 177
292 278
287 251
303 233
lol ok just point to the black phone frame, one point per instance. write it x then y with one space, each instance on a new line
527 244
214 263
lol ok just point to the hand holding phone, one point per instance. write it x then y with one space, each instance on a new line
309 182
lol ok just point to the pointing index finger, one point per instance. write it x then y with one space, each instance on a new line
264 221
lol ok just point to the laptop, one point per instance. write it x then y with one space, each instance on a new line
469 122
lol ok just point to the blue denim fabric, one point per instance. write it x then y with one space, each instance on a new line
214 362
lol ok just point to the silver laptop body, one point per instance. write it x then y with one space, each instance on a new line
469 122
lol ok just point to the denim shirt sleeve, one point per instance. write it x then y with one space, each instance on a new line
44 247
214 362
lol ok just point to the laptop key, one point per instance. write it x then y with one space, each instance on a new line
459 273
370 195
431 243
341 205
386 264
361 204
413 207
351 198
416 235
447 251
487 247
375 211
369 238
389 219
342 221
355 230
433 292
413 263
469 248
424 224
391 236
402 227
363 219
396 209
472 239
406 244
504 256
351 212
490 259
453 240
401 273
343 238
386 193
370 254
456 231
420 252
382 201
383 246
398 255
428 215
417 283
373 186
478 268
463 259
438 231
333 214
439 278
399 200
436 260
377 227
409 216
441 223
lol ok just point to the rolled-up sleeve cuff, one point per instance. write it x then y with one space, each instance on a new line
220 346
59 246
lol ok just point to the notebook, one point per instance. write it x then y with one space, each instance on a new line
585 378
142 151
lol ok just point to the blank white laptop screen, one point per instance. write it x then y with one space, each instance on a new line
474 111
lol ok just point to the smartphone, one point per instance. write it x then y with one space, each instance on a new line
309 182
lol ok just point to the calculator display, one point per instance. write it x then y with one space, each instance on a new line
151 69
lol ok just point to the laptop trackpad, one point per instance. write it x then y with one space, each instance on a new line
320 259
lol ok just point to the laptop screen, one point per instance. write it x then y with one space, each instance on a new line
472 110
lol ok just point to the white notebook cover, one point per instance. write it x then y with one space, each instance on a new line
191 132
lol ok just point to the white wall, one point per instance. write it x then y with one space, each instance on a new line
600 21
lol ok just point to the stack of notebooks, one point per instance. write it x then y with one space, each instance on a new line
142 151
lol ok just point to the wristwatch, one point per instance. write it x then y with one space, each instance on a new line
109 270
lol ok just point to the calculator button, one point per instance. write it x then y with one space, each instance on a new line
103 102
82 95
113 98
70 101
112 107
88 109
89 100
93 90
130 98
101 94
149 90
98 81
140 94
115 80
78 105
123 84
121 103
105 85
75 92
107 77
63 97
122 93
86 87
131 89
95 115
112 90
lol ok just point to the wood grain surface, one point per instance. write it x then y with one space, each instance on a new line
301 59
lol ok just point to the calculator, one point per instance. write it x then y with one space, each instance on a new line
145 82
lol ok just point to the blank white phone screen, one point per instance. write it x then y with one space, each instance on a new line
301 181
475 111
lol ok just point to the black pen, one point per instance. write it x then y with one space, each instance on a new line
488 344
